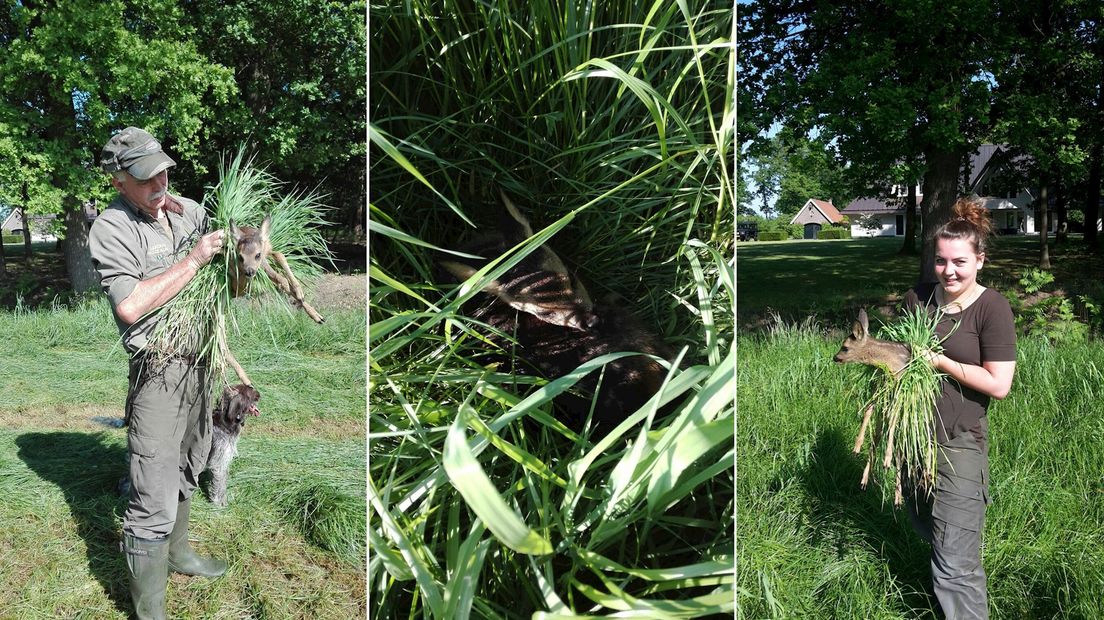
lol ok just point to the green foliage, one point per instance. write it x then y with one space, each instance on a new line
774 235
834 233
782 227
1034 280
794 169
299 71
610 125
1049 316
902 434
93 67
1053 318
869 221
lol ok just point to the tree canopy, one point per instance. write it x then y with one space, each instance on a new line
908 90
287 77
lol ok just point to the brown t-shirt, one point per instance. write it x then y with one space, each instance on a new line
986 333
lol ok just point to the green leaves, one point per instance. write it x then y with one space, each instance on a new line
472 483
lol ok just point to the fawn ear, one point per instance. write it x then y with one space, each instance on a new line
518 223
235 232
861 328
266 226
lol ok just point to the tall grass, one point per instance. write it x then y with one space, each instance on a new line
610 125
812 543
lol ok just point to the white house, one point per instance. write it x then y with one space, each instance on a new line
1011 206
816 214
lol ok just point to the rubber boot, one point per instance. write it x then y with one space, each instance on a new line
148 565
182 559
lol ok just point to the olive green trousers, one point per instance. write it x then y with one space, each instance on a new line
168 440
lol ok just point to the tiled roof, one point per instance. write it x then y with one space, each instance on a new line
828 209
874 205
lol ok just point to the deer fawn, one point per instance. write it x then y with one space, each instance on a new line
862 348
552 318
252 251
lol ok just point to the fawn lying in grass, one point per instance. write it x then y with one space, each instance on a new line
551 316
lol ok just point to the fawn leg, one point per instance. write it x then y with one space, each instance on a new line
290 286
862 428
233 363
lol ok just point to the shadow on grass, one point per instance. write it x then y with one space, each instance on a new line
86 468
841 508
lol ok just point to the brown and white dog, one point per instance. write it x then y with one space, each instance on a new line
237 402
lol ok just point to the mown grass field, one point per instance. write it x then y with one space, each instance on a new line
294 531
832 279
811 543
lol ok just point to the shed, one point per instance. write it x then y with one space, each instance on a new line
815 215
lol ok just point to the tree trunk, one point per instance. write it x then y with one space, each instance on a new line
1061 234
26 233
1041 224
940 193
1092 197
909 245
78 259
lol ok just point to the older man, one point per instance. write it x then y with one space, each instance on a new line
140 246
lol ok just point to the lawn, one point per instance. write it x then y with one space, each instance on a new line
831 279
295 528
811 543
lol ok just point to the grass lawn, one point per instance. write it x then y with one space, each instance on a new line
811 543
295 528
832 279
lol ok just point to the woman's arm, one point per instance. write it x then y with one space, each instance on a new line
991 378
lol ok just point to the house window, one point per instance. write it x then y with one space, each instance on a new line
899 226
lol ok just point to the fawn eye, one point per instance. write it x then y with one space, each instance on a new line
258 256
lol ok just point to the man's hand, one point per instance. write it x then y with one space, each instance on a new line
209 245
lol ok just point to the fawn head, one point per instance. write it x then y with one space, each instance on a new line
862 348
251 246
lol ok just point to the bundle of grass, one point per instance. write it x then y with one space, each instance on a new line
903 390
198 318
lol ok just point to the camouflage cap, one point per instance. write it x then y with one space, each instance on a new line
135 151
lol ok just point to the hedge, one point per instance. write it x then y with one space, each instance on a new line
773 236
12 239
834 233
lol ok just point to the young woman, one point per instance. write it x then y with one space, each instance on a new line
979 358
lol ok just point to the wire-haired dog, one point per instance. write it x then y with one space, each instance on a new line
237 402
